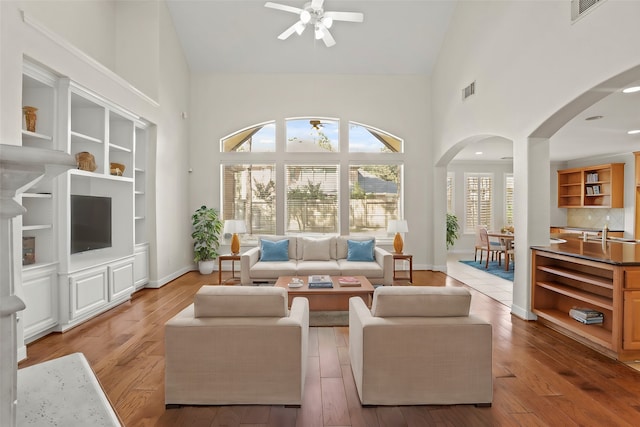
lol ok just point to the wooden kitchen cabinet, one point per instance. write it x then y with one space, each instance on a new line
579 274
600 186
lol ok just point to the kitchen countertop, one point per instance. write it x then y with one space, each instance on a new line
590 230
615 251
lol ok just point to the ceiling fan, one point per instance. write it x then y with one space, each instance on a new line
312 13
316 124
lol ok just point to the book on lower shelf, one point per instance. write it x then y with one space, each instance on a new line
586 315
348 281
594 321
320 281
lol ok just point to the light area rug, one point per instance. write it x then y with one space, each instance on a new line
328 318
63 392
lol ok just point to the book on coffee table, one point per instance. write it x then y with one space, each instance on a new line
348 281
320 281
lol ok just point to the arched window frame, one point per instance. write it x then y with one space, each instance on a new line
375 168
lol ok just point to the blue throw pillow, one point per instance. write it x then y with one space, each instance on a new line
274 251
360 250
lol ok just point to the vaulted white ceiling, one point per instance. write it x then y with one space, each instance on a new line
240 36
396 37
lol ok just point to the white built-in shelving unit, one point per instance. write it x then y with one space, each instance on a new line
39 223
62 289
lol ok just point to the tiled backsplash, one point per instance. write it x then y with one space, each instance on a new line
596 218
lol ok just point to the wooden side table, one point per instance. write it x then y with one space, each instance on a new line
233 259
402 257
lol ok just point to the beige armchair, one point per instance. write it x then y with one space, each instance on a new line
237 345
418 345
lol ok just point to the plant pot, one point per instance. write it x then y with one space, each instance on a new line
206 267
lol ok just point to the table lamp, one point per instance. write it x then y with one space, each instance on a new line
235 226
398 226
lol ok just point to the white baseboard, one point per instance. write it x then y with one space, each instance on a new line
155 284
522 313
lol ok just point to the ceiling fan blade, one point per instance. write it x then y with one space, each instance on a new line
328 38
345 16
286 33
283 7
316 4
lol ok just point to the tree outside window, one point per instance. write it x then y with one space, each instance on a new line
249 194
374 198
308 199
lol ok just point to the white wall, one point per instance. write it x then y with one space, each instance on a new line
89 25
528 60
172 253
170 240
138 57
221 104
121 35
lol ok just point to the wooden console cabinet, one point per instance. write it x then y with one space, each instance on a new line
578 276
600 186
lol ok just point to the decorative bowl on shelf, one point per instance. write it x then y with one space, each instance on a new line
117 169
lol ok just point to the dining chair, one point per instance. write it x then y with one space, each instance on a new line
491 249
479 246
509 254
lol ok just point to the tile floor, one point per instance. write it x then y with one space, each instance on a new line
499 289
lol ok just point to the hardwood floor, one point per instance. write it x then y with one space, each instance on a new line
541 378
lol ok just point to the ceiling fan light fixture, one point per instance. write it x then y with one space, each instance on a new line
313 14
305 16
327 22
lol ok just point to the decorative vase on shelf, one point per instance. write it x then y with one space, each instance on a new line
30 117
86 161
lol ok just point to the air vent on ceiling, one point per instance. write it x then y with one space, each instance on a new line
580 7
469 90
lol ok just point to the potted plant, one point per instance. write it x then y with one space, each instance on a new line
206 238
452 229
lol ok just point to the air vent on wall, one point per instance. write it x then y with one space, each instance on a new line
580 7
469 90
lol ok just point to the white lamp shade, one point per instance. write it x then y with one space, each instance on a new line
232 226
397 226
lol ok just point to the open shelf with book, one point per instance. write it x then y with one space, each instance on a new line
561 283
569 188
600 186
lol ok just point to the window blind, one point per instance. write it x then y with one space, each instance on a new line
478 201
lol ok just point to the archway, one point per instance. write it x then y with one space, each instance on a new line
532 172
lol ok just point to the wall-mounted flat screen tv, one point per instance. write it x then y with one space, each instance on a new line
90 223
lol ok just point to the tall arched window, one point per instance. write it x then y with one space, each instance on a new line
312 177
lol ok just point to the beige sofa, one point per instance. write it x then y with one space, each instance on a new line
309 256
237 345
418 345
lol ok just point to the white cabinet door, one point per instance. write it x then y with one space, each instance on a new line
88 291
141 266
39 288
120 279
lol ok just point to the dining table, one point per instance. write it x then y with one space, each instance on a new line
506 240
